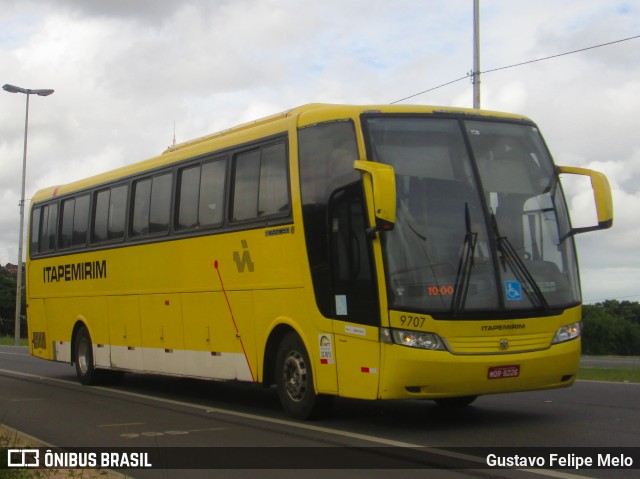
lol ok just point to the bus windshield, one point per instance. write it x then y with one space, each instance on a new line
482 225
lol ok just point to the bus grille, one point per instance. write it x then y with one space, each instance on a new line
497 344
39 340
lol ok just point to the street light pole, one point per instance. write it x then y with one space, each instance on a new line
27 92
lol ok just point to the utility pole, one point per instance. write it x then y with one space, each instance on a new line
476 54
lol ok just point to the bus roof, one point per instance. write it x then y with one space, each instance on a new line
304 115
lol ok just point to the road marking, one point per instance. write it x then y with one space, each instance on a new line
15 354
133 435
309 427
124 424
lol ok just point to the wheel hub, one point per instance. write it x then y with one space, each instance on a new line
295 376
83 356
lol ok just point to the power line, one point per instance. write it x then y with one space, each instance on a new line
431 89
563 54
521 64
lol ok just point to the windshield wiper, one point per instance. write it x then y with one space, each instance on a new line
465 265
520 271
425 251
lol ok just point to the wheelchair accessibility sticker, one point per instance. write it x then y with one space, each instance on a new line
513 290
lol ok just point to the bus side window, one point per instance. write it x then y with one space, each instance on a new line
66 223
261 186
110 214
201 195
35 230
274 190
189 191
210 203
48 228
74 222
117 212
80 221
141 202
101 216
247 182
160 208
42 233
151 205
326 152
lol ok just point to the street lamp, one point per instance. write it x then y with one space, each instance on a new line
27 92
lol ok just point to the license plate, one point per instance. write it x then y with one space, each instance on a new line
501 372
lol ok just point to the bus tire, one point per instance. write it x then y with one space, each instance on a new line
455 402
83 358
294 380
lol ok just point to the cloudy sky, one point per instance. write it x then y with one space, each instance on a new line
125 71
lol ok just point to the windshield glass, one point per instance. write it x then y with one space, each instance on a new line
478 229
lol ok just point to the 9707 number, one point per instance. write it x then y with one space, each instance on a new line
415 321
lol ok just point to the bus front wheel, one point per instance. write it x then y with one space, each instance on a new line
294 380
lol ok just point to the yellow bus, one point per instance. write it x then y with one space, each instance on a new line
371 252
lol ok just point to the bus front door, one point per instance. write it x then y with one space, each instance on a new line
357 316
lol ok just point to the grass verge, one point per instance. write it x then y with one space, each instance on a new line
10 438
614 375
10 341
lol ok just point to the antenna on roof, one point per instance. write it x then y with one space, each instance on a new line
174 133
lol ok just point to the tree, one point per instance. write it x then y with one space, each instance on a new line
7 303
611 327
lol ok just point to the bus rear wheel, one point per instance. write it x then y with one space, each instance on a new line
294 380
83 357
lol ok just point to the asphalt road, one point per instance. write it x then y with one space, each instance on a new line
44 399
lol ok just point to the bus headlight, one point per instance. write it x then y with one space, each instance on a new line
417 339
567 333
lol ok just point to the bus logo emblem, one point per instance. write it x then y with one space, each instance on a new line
504 343
244 261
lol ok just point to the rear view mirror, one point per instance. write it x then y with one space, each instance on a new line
601 194
383 183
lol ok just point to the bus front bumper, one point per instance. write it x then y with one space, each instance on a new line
416 373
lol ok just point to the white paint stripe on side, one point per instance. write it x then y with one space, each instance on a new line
181 362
